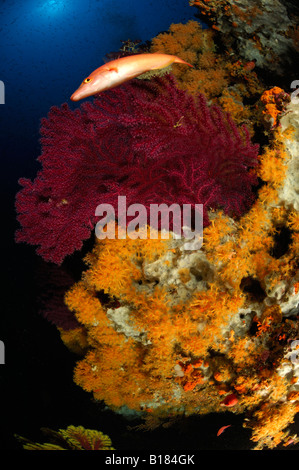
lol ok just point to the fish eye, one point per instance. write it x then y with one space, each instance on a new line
87 80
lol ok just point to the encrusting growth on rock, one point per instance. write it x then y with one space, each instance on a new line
163 331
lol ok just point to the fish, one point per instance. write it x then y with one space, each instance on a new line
230 400
121 70
220 431
250 65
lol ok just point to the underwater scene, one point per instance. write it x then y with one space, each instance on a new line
150 198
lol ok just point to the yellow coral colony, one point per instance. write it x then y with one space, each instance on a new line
222 80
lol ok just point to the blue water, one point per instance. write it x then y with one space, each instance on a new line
49 46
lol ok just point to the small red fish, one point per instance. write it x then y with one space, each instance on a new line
230 400
290 441
222 429
250 65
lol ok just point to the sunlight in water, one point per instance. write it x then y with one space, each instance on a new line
52 7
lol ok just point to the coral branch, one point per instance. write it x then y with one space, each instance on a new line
146 141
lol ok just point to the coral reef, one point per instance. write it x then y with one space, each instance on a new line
162 331
220 77
264 30
71 438
196 46
148 141
275 101
188 332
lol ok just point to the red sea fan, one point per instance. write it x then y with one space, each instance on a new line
56 211
148 141
194 153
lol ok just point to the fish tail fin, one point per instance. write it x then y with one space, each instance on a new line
177 60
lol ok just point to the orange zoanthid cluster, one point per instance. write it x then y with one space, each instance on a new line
171 331
218 76
196 46
275 101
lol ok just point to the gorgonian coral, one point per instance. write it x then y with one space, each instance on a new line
148 141
52 282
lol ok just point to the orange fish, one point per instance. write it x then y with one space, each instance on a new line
222 429
121 70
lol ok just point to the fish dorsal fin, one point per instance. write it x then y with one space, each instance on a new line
111 69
